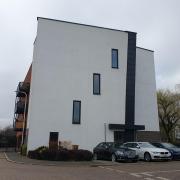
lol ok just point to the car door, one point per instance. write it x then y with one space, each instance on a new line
133 146
107 151
140 151
99 151
104 151
128 145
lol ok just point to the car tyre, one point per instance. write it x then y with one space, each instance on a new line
113 158
95 157
147 157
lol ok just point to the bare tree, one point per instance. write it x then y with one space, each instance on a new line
7 137
169 112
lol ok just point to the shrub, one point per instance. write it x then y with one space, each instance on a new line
24 150
33 154
62 155
49 155
44 153
37 153
83 155
42 148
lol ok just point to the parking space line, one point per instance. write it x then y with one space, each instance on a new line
119 171
162 178
102 167
149 178
136 175
176 170
111 169
147 174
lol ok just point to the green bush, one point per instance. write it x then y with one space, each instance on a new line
83 155
24 150
80 155
44 153
33 154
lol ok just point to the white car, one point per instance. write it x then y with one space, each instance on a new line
147 151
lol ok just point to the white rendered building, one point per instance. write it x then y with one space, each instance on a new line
90 84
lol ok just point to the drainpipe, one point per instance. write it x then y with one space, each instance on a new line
105 132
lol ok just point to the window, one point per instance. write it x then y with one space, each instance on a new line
129 145
76 112
96 84
114 58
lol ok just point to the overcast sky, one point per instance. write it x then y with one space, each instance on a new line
157 23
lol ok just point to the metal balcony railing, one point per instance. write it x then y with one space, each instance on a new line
20 107
22 87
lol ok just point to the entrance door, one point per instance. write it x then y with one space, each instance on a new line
119 136
53 140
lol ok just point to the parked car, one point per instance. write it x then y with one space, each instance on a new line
114 152
148 152
175 151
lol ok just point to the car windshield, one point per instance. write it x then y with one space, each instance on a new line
168 145
109 144
146 145
118 145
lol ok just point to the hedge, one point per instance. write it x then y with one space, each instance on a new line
44 153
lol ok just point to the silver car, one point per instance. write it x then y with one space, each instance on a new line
148 152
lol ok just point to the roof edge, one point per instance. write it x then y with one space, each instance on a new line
83 24
144 49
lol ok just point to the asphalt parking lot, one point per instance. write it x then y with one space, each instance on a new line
130 171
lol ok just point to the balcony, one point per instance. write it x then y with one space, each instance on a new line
18 125
23 87
19 109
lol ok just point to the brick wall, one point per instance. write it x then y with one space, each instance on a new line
151 136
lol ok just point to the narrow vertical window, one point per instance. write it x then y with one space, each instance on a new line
96 84
114 60
76 112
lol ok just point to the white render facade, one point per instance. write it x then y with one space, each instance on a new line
66 55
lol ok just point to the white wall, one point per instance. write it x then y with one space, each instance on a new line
145 91
65 58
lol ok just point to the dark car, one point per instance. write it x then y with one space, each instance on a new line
114 152
174 150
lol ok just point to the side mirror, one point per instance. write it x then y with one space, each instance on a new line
138 147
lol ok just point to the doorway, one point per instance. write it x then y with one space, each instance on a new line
119 136
53 140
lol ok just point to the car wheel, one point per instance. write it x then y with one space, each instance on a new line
95 157
147 157
113 158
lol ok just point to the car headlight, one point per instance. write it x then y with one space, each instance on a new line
155 152
120 153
